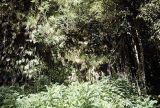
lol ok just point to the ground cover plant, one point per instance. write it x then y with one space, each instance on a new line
106 93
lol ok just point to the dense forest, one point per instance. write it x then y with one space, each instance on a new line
79 53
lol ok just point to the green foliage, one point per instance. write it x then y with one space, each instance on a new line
8 96
55 18
61 41
150 13
107 93
151 10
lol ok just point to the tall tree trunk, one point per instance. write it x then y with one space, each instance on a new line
139 56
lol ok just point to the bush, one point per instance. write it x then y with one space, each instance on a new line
106 93
8 96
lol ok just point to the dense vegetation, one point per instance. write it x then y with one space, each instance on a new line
105 93
56 43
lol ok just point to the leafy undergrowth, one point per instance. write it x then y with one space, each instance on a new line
106 93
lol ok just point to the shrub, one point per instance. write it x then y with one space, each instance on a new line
8 97
106 93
